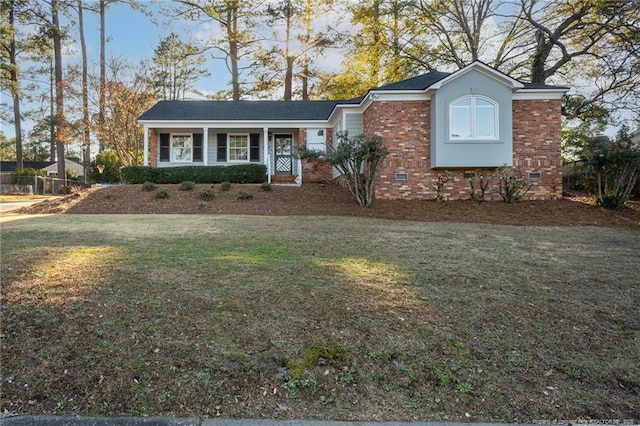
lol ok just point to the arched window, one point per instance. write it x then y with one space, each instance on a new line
473 118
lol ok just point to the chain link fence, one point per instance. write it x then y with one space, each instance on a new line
31 185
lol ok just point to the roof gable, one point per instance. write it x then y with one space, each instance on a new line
484 69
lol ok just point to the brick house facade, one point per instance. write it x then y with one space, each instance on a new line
466 124
537 143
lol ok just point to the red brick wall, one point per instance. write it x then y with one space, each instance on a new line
405 130
537 145
153 148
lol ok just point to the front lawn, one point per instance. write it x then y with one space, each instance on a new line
318 317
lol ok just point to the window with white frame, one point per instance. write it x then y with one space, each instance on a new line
473 118
181 147
238 147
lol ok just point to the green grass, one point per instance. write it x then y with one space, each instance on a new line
333 318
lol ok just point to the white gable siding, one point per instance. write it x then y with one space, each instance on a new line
354 124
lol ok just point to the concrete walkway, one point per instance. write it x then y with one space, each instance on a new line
193 421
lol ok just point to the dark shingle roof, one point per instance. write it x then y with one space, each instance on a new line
282 110
542 86
10 166
240 110
420 82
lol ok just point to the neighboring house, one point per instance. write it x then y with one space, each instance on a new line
467 122
52 170
8 167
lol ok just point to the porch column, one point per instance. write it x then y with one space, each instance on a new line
265 137
205 146
146 147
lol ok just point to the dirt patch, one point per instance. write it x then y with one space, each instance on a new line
329 199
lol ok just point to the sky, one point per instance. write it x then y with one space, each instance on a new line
133 36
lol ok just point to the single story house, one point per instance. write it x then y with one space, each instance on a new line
468 123
52 170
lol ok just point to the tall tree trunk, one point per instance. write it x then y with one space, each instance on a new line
52 109
15 87
101 101
305 78
59 118
232 35
85 94
288 79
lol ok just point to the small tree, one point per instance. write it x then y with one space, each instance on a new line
110 164
513 184
357 159
439 183
615 165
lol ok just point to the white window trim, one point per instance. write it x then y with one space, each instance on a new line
173 159
248 136
474 137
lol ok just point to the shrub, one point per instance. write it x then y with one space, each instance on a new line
162 193
238 173
225 186
187 185
244 195
513 184
616 166
357 159
111 171
69 189
265 186
148 186
479 196
27 171
206 194
438 184
138 174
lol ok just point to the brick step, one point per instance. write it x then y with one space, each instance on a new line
283 179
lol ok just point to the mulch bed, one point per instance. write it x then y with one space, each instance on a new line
331 199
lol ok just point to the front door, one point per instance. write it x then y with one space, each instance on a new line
283 145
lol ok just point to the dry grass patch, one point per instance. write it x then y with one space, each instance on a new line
310 317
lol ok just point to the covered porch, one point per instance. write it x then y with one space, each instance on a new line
275 147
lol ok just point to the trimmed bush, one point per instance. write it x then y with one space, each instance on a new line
187 186
225 186
238 173
244 195
266 186
206 194
162 193
148 186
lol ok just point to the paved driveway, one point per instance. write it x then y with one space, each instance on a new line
14 205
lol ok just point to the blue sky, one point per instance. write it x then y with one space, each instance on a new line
132 35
